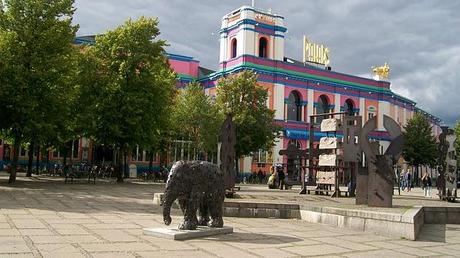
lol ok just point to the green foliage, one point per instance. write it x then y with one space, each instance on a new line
35 67
420 145
240 96
133 86
196 117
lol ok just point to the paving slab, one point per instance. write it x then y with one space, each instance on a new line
11 244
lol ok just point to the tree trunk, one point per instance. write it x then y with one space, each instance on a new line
125 165
65 155
237 169
31 159
151 162
38 159
47 159
14 163
119 167
416 175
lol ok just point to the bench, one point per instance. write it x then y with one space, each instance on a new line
326 191
91 175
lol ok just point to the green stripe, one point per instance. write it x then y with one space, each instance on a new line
185 76
317 77
269 69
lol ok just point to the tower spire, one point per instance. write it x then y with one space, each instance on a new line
253 3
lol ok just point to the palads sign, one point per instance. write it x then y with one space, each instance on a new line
315 53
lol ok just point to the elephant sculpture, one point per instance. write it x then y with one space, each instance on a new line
196 185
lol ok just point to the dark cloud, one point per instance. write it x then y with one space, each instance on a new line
418 38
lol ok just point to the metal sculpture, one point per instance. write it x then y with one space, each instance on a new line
380 176
351 150
227 152
196 185
447 178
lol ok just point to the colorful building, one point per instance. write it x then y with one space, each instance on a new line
254 40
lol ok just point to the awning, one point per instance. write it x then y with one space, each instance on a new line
296 134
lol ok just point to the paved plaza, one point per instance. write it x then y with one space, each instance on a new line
43 217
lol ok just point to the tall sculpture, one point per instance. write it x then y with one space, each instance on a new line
351 150
447 178
380 176
227 152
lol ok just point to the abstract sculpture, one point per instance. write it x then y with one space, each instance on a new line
196 185
380 176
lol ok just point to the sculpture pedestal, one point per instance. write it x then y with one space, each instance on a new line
176 234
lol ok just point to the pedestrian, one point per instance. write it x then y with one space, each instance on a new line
402 179
426 184
281 179
260 176
408 181
272 181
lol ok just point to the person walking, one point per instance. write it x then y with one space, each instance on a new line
426 183
408 181
402 180
281 179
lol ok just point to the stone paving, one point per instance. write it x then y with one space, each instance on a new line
46 218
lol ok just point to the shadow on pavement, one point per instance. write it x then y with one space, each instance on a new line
256 238
52 194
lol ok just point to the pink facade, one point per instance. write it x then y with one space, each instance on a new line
185 67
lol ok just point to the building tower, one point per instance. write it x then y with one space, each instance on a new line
249 32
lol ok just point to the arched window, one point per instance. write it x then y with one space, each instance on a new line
349 107
371 112
322 107
294 107
296 143
234 48
263 47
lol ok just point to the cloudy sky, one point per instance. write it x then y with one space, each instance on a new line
420 39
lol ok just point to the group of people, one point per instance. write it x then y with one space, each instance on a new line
277 178
406 181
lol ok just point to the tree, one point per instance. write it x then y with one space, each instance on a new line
240 96
420 145
135 87
35 47
196 117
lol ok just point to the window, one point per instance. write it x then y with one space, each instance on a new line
234 48
371 111
23 152
56 153
137 154
75 145
263 43
294 108
322 107
349 107
296 143
259 157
